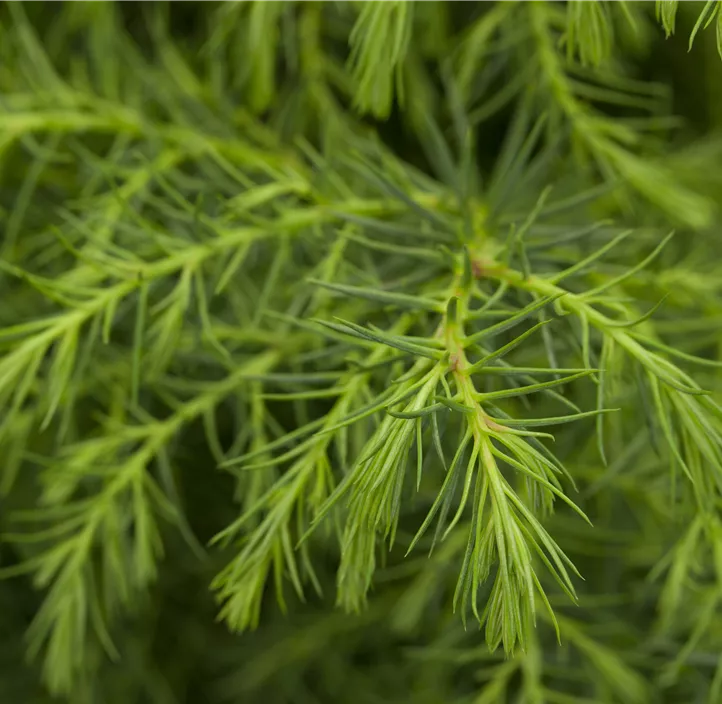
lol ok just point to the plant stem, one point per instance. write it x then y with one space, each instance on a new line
571 302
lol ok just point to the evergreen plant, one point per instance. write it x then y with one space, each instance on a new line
361 352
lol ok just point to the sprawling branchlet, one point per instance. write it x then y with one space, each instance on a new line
252 344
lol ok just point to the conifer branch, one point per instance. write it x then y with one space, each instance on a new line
380 296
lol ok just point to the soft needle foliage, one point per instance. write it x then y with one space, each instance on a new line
361 352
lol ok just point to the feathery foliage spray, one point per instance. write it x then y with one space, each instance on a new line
361 352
